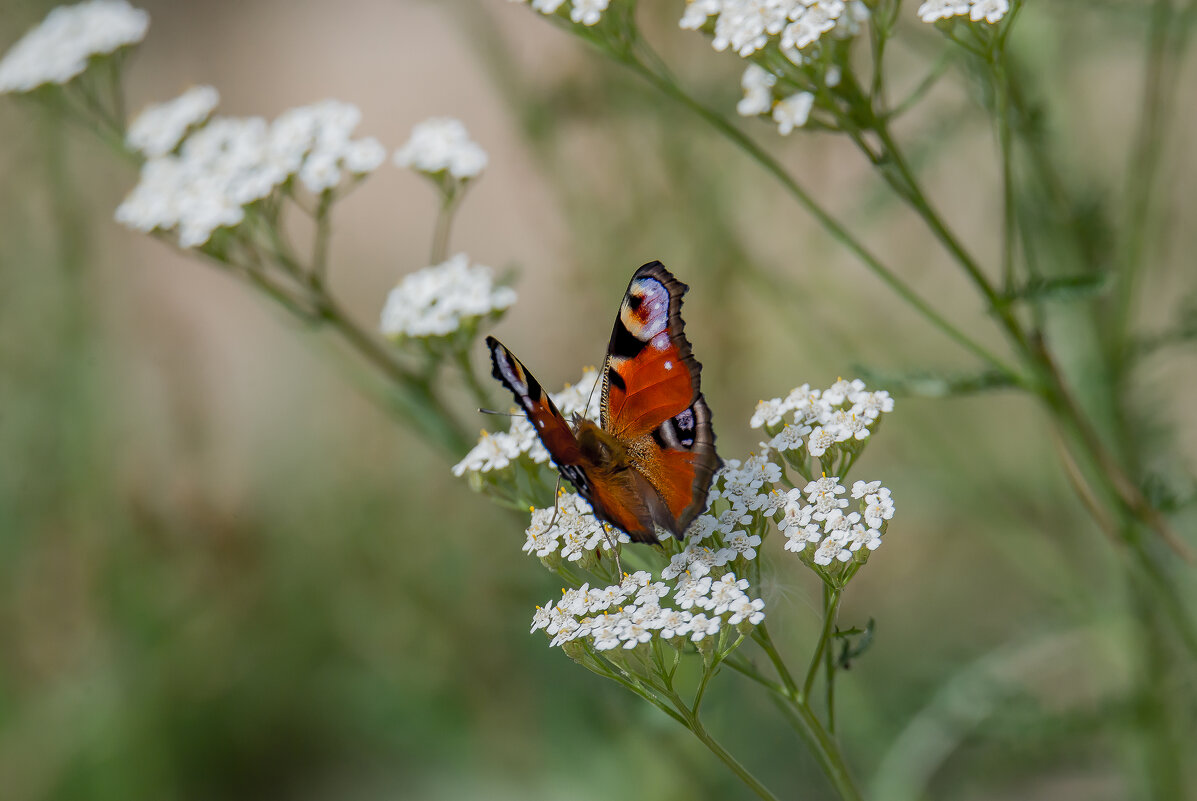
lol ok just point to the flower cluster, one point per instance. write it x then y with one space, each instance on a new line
442 146
637 609
583 12
816 514
747 26
569 530
60 48
990 11
498 450
159 129
439 300
230 162
820 420
699 590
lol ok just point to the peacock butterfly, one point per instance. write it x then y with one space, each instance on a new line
648 463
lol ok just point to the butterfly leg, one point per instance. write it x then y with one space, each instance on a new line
556 501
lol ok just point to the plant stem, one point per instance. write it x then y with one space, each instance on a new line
450 200
831 606
695 725
834 228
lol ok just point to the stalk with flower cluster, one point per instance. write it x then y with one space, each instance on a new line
821 66
225 188
699 599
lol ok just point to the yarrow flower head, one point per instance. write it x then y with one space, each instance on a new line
747 26
583 12
989 11
61 47
442 146
439 300
159 129
231 162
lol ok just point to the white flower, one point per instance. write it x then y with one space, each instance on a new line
747 609
820 440
797 515
841 390
588 12
793 112
879 507
743 544
724 592
702 626
437 300
491 453
693 593
698 12
160 127
746 25
606 635
989 10
768 413
872 404
230 163
806 403
859 536
757 83
442 144
863 488
798 537
674 623
546 6
60 47
790 438
830 550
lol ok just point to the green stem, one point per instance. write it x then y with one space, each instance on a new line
833 227
761 635
831 605
713 745
466 364
450 200
323 237
1005 146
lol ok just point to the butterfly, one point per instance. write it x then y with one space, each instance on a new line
649 460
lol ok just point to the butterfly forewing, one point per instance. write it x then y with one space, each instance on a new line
652 399
551 427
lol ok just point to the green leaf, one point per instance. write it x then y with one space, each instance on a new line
934 385
1064 288
850 651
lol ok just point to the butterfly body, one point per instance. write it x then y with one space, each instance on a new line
648 462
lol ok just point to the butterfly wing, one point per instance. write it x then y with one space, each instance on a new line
550 426
652 401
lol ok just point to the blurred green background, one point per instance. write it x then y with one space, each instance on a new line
225 574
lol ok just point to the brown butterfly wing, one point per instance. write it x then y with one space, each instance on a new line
619 498
652 401
550 426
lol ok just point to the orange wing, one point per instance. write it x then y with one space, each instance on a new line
652 401
622 498
550 426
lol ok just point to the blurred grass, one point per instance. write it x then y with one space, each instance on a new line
221 582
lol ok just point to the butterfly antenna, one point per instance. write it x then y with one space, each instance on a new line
501 414
602 378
